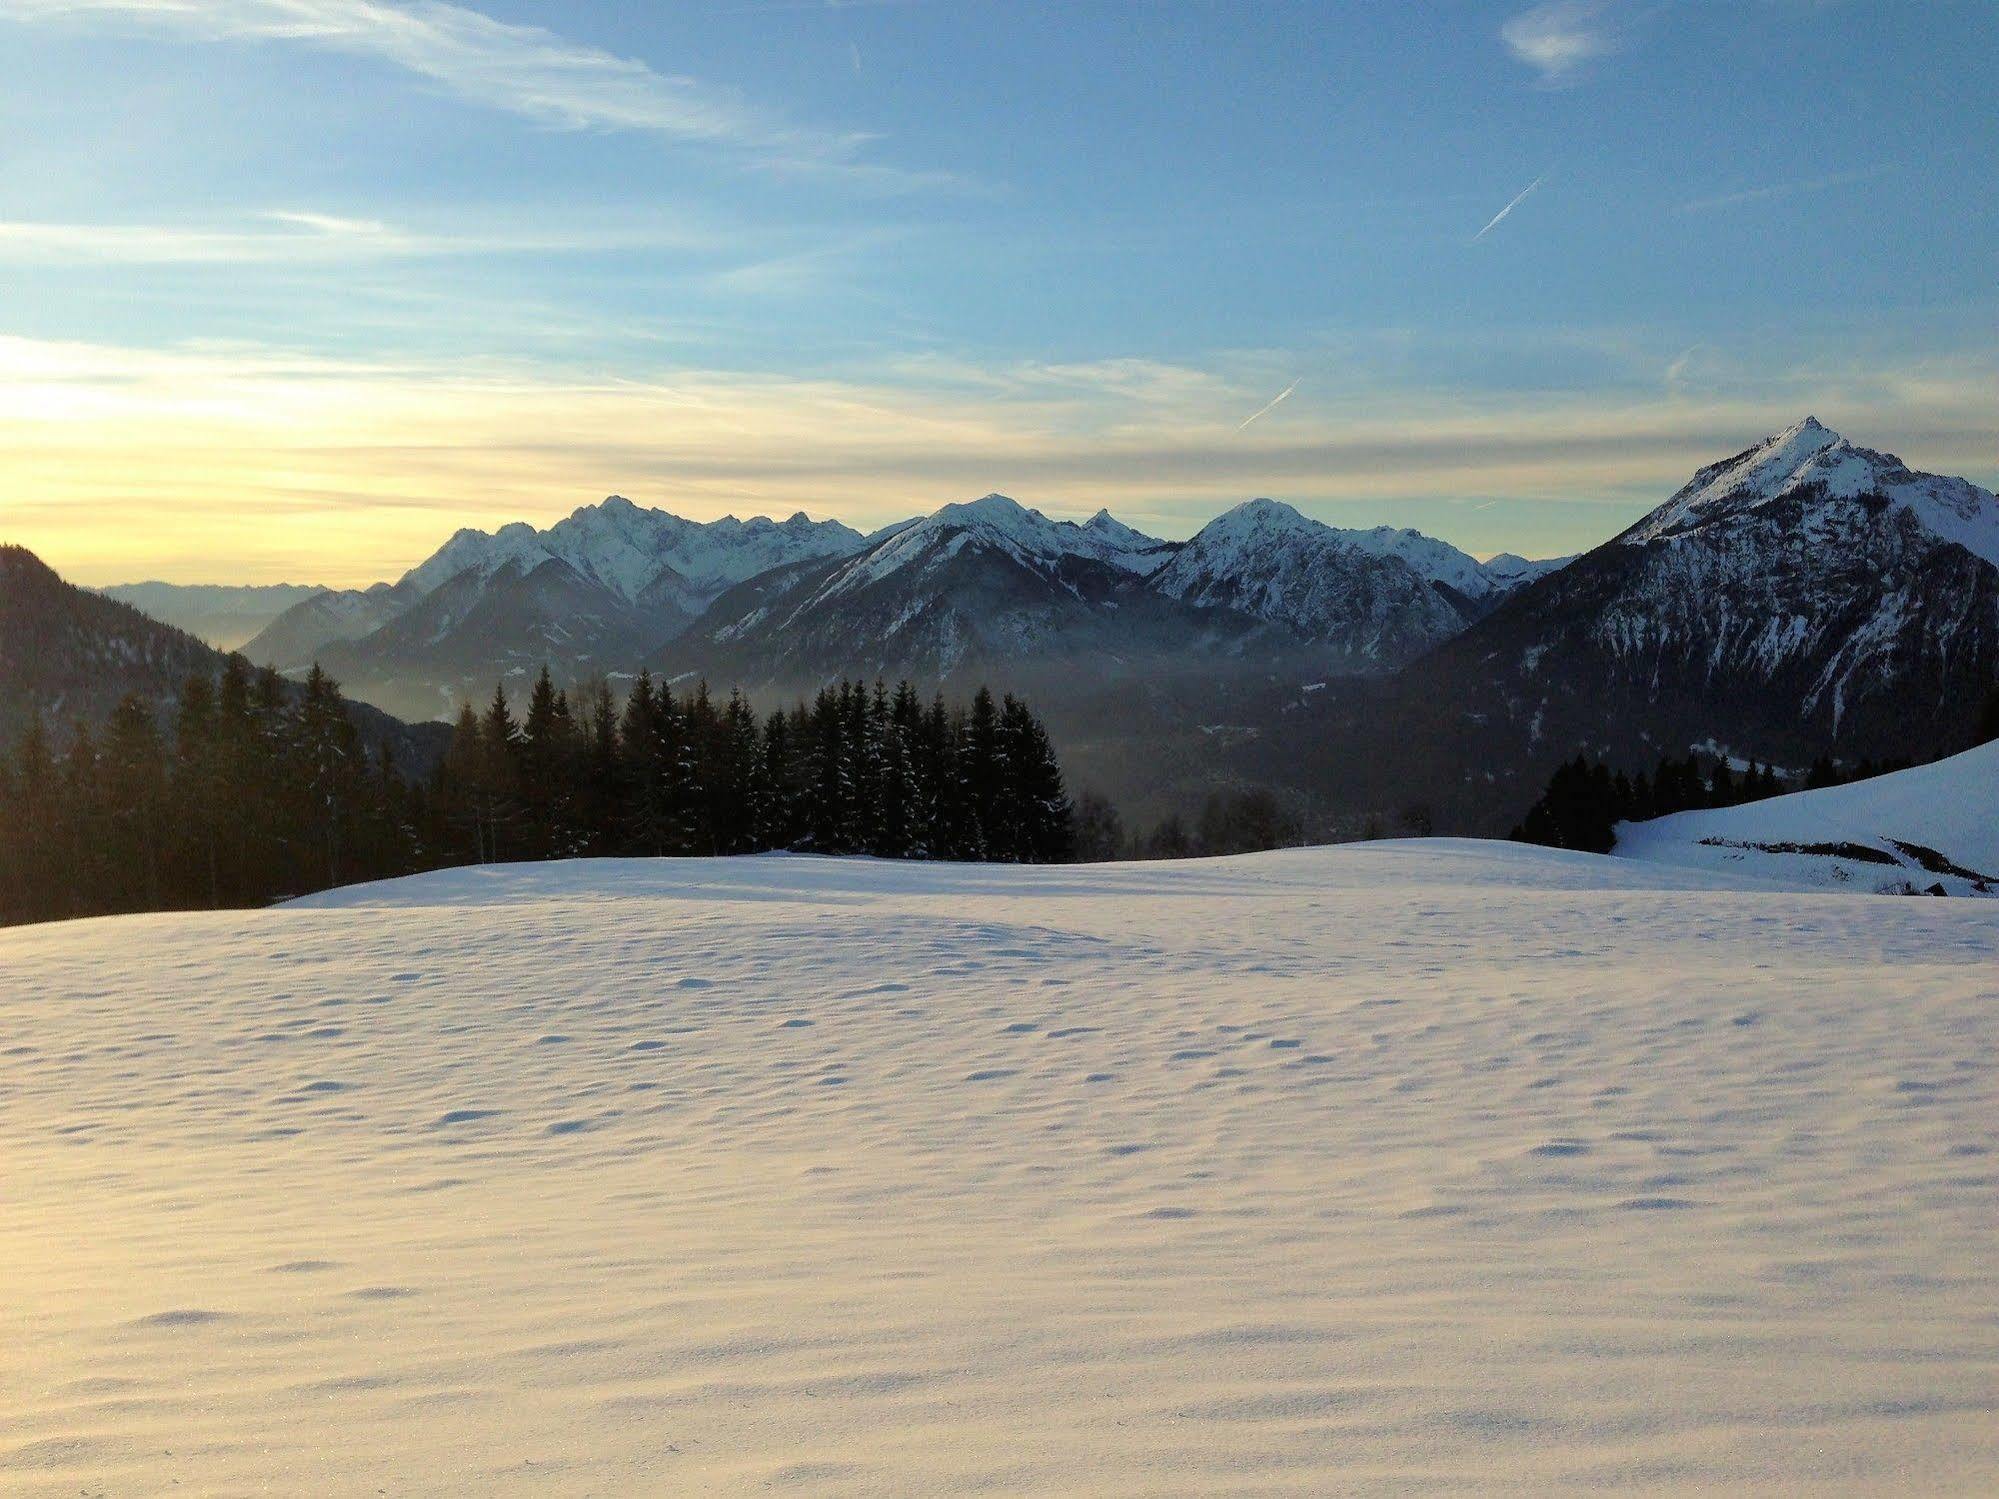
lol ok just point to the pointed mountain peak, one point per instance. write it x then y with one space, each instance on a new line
1812 460
1106 527
1809 436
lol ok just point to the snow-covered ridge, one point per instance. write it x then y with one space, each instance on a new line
1246 539
629 549
993 524
1811 456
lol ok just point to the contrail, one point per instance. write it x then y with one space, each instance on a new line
1265 410
1499 217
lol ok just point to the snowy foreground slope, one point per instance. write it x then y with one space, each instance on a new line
1408 1169
1934 825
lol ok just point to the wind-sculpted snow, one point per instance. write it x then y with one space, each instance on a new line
1423 1168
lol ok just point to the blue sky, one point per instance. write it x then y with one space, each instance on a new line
294 287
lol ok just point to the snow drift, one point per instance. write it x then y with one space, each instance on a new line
1414 1168
1933 828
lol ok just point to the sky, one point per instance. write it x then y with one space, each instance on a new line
292 289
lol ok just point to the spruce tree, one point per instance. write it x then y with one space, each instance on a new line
200 806
983 770
133 787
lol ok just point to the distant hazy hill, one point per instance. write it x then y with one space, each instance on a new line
224 615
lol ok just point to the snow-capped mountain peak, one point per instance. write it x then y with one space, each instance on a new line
999 523
630 549
1811 457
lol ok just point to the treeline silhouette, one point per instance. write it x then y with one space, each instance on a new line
1585 801
1230 822
250 792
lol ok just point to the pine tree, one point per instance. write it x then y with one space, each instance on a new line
983 769
830 800
243 786
736 781
36 818
134 785
777 824
602 789
200 805
547 781
1037 809
499 781
330 773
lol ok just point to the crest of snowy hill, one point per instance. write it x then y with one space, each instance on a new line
988 581
1812 462
1509 570
1252 541
1932 828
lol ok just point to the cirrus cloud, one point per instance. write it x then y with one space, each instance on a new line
523 70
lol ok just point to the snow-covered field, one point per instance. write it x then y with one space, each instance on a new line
1933 825
1406 1169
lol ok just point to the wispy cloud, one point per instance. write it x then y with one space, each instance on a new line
1269 406
279 237
1499 218
1558 38
1771 191
524 70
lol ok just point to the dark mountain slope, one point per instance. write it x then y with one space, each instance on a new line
68 654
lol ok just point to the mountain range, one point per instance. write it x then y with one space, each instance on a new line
973 588
1803 596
